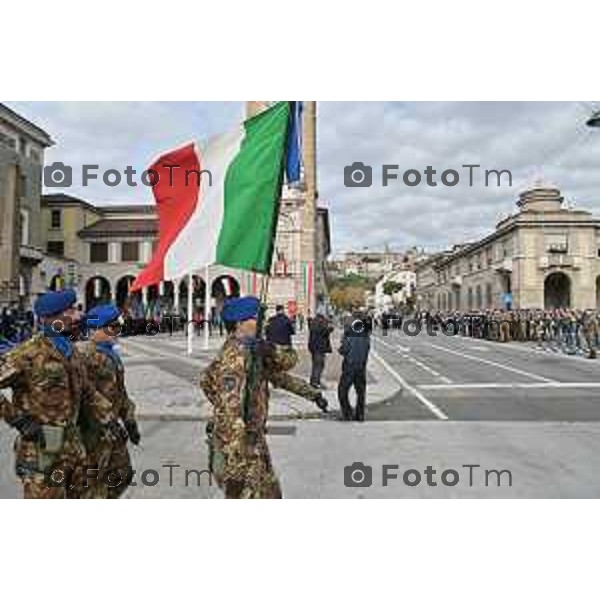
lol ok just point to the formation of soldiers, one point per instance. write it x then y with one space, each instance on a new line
74 419
559 330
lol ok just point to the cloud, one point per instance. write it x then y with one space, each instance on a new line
534 140
115 135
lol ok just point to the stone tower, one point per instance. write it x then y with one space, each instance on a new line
298 220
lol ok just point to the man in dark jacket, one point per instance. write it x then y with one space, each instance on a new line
279 332
355 347
319 344
280 328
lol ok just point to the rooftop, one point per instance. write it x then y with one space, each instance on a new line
120 227
16 120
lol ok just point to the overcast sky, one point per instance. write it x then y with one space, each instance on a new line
536 141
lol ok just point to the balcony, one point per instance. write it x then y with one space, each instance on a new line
31 254
505 266
557 260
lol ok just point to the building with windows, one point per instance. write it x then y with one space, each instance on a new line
374 264
22 146
99 251
546 255
394 290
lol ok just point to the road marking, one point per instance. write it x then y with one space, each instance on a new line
528 386
438 412
148 349
519 346
493 364
417 362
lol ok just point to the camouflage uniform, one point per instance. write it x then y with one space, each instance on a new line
107 445
240 459
590 332
52 389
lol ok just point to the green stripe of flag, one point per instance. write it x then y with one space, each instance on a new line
252 189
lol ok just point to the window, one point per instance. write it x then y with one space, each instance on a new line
22 186
489 300
35 155
8 141
24 227
55 219
56 248
557 243
130 251
22 146
98 252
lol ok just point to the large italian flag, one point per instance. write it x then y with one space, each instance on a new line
219 205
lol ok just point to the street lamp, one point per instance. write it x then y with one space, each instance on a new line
594 120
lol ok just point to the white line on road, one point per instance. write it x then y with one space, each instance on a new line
139 347
492 363
416 361
528 386
438 412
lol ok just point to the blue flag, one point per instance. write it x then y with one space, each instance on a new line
293 165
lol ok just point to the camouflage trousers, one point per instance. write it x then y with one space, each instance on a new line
109 467
50 476
259 479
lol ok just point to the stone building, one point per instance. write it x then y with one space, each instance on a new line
374 264
387 302
99 250
547 255
303 240
22 146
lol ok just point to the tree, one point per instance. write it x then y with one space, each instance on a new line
392 287
347 297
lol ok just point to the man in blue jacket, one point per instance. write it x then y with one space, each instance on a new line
355 347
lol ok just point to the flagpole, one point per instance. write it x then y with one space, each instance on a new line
190 324
206 306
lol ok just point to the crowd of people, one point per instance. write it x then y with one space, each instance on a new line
16 326
565 330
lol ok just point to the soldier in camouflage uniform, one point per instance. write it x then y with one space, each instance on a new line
107 445
237 385
49 386
589 328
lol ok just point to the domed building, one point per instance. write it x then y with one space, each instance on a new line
546 255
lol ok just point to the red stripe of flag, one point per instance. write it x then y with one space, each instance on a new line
175 204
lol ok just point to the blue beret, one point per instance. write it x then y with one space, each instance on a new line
53 303
102 315
240 309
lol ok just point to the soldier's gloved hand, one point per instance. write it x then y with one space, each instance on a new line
321 402
133 432
30 430
115 429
